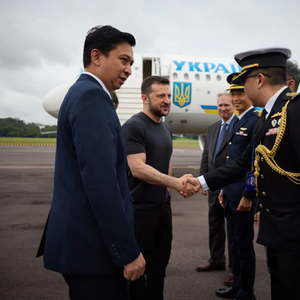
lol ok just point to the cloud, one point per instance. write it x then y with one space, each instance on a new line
42 41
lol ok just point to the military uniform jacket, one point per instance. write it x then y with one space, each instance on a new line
238 139
279 197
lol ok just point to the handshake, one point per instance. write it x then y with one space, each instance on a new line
188 185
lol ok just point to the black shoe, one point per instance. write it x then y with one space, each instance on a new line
229 293
209 267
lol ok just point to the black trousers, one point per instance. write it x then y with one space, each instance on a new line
153 231
217 234
97 287
284 268
240 232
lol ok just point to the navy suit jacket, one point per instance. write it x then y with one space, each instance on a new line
90 224
238 139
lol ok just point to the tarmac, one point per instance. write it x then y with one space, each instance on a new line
26 181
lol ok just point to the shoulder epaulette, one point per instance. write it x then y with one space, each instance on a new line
292 95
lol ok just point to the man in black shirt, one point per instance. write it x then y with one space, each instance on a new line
149 149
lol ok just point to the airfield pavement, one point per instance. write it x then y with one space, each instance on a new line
26 180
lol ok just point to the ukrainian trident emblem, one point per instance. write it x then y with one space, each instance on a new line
182 93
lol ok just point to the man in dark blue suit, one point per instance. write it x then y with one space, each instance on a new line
239 204
89 237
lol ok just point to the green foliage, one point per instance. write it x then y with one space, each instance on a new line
11 127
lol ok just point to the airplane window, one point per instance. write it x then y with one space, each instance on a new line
219 78
197 76
186 76
175 75
207 77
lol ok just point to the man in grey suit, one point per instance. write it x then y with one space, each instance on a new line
89 237
214 155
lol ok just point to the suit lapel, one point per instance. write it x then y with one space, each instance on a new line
214 133
232 127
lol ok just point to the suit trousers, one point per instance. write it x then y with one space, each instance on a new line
217 235
240 232
97 287
284 268
153 230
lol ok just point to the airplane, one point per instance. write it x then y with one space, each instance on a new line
195 83
41 127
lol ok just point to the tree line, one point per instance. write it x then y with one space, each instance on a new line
11 127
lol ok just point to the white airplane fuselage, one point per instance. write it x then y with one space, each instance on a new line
195 83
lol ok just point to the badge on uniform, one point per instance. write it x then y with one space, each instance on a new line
241 132
276 115
272 131
250 181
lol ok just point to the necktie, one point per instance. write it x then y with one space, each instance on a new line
263 115
221 136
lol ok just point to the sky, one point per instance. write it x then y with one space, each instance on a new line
42 41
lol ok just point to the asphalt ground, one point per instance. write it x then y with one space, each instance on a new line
26 185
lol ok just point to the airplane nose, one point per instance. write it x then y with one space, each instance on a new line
49 106
54 98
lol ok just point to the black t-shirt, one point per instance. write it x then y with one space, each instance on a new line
143 135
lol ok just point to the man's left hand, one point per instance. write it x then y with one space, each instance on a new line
245 204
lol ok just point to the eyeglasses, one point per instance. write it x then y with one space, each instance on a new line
244 80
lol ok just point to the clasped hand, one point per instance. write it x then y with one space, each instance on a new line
187 188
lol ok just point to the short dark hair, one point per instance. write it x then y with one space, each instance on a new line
104 38
293 72
148 81
275 76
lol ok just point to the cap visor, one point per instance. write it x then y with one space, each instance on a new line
240 78
235 87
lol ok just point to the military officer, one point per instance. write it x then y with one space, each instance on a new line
240 205
275 153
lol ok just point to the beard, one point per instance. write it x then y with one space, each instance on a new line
157 112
